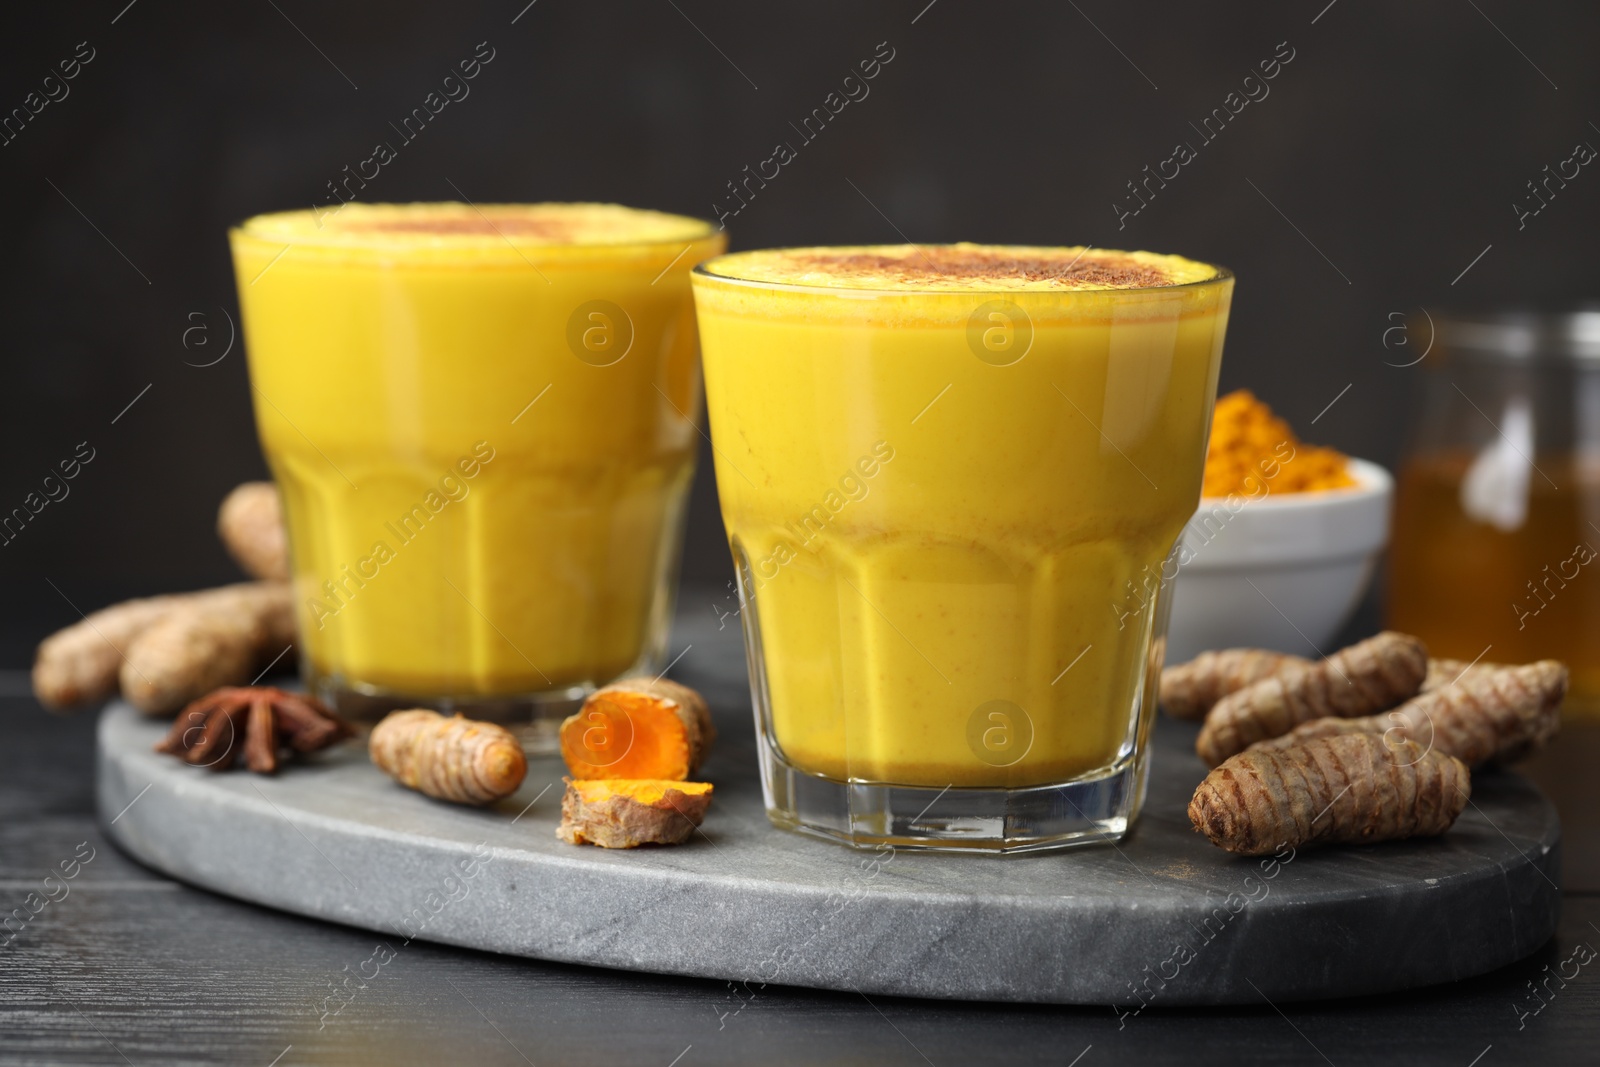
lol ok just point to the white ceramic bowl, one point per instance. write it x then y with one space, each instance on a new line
1283 571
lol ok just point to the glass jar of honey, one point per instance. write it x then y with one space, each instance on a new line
1496 544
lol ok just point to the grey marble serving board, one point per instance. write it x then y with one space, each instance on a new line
1162 918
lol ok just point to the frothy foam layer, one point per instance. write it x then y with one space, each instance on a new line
961 267
464 225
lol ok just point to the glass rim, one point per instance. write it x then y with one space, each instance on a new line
1223 274
381 241
1521 337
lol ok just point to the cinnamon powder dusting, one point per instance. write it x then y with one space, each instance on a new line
944 262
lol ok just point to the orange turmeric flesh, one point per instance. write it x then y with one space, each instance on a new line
638 728
645 791
1250 447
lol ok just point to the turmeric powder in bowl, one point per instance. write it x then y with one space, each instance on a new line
1250 447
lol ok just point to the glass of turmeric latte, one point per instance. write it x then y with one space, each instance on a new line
479 420
943 472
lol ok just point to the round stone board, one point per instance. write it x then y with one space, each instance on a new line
1160 918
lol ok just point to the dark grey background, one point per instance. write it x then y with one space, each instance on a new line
1384 161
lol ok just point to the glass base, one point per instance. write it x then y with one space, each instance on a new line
1086 811
533 718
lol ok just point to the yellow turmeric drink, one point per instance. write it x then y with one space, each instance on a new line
478 416
944 471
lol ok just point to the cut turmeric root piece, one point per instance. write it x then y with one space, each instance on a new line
622 813
638 728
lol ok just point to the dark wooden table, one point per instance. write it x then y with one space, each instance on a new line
131 967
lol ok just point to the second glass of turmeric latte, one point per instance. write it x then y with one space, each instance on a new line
943 470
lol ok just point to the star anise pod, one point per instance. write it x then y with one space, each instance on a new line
208 733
